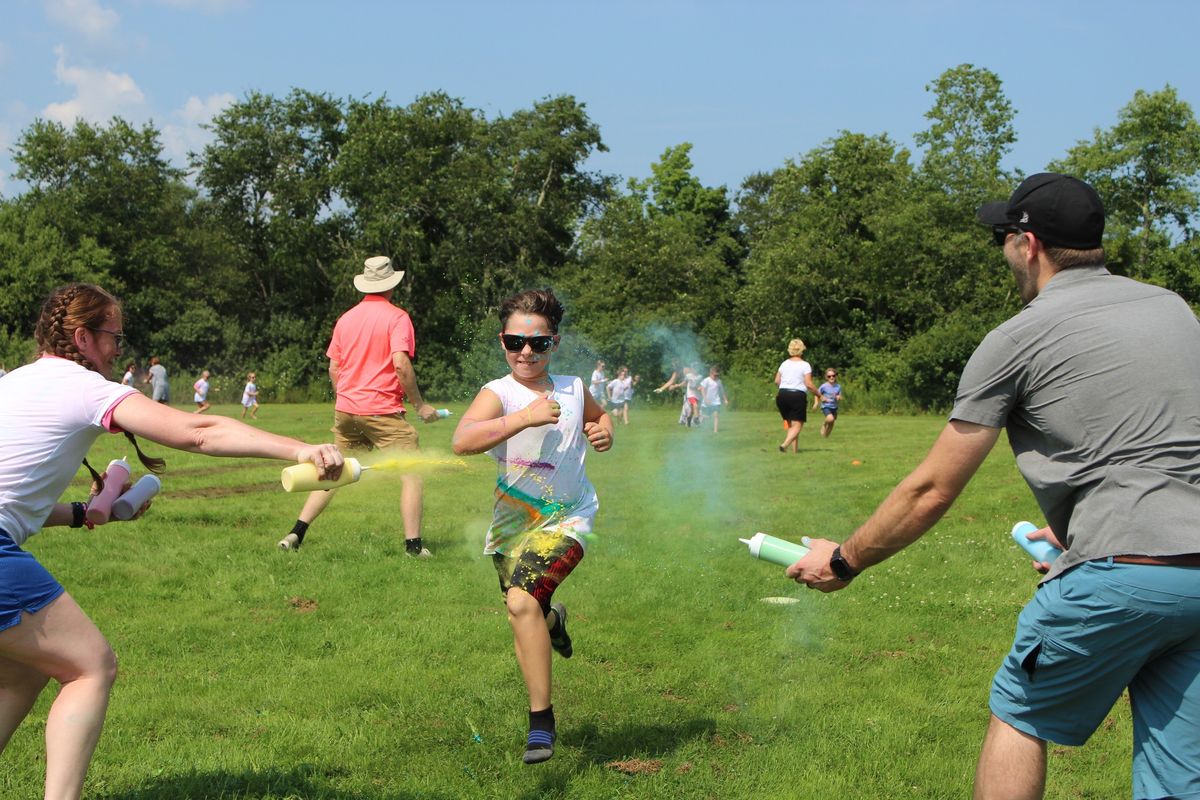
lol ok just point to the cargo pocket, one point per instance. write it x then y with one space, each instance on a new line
1044 653
1029 659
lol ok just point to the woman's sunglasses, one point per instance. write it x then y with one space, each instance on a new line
515 343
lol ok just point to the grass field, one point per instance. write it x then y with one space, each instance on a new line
347 670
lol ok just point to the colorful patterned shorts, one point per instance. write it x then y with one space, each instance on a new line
537 562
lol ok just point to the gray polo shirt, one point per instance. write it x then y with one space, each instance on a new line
1098 382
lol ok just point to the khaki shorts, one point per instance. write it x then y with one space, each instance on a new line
373 432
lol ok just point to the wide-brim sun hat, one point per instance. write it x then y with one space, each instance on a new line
377 276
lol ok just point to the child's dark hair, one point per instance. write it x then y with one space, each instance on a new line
533 301
81 305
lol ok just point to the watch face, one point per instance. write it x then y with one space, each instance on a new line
839 566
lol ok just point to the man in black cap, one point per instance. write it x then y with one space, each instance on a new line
1097 381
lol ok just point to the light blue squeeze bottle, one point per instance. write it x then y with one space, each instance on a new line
1040 549
777 551
443 413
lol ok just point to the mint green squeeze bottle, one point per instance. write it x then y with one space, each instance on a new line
777 551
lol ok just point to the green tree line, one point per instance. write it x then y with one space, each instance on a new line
868 252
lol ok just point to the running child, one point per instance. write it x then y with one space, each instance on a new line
200 387
691 395
689 413
538 427
829 395
598 382
620 394
712 394
250 396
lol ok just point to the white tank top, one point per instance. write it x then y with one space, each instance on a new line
541 483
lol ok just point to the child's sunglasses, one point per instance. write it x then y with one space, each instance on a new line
515 343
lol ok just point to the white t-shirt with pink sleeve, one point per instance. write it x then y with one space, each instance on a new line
51 411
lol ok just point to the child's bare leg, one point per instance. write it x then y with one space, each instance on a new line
531 640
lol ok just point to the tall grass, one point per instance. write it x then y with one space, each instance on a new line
347 670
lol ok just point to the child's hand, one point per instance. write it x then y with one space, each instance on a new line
543 411
597 436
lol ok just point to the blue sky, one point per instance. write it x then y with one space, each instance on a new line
749 84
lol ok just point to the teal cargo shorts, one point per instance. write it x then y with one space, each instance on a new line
1089 634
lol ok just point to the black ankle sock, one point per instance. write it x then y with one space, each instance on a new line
300 528
542 720
413 546
539 744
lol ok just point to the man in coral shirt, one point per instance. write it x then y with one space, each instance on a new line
371 370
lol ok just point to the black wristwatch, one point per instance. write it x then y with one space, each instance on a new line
840 566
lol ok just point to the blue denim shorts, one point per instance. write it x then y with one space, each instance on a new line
25 585
1089 634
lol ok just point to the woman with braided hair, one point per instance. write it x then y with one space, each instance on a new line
51 411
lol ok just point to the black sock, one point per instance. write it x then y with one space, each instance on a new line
539 744
556 629
542 720
413 546
300 528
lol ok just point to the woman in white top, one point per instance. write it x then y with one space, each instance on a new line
794 379
51 411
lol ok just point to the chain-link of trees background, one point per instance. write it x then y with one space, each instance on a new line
870 254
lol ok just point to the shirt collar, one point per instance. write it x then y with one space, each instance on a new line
1065 278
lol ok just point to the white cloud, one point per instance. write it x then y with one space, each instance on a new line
84 16
99 94
183 134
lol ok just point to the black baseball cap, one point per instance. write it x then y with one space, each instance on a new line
1062 211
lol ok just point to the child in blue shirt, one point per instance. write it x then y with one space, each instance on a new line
829 394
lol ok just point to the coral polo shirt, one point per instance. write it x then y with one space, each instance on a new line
364 339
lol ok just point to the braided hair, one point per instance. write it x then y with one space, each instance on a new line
68 308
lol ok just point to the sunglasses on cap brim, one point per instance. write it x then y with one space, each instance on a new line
515 342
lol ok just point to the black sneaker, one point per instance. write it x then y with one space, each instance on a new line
538 747
560 641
